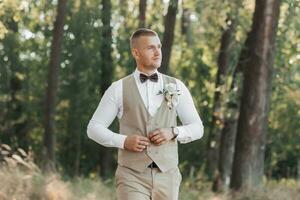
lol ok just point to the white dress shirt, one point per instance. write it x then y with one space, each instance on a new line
111 105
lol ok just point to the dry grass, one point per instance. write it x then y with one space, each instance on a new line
18 184
22 185
285 189
21 179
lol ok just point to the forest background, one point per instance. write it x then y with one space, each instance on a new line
240 60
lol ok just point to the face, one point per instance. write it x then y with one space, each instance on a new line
147 52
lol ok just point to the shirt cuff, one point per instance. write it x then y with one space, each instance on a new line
183 135
119 140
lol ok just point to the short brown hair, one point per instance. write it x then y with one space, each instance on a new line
141 32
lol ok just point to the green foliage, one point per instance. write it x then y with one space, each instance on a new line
283 139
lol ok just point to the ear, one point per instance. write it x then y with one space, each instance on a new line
135 53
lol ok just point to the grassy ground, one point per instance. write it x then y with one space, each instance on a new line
32 185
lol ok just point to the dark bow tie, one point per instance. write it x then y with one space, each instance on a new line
153 77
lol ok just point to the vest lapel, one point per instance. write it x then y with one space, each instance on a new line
163 103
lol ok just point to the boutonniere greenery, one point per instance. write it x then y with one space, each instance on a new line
171 95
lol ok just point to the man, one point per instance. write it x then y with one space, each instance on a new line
146 103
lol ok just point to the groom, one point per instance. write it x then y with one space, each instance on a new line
146 103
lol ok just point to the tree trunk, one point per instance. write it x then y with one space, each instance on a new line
228 137
248 164
168 37
106 76
217 116
226 152
142 14
298 169
185 24
53 72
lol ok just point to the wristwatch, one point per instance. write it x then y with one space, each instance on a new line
175 132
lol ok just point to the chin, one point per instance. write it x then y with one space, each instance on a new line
157 65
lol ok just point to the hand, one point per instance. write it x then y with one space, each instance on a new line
161 136
136 143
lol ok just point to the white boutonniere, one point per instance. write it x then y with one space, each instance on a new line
171 95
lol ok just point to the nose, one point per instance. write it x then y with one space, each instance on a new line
157 51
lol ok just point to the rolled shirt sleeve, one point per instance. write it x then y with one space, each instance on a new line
192 127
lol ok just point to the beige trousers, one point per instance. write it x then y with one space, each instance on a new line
152 184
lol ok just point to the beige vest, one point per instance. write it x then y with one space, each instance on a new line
137 120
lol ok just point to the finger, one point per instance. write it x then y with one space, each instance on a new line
142 138
156 137
139 148
156 131
153 134
162 142
143 143
159 140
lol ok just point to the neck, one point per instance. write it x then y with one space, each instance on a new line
146 71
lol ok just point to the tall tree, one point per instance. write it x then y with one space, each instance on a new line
142 13
248 164
231 113
228 135
53 72
107 71
217 114
186 23
168 37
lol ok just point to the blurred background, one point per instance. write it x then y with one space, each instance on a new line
240 60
